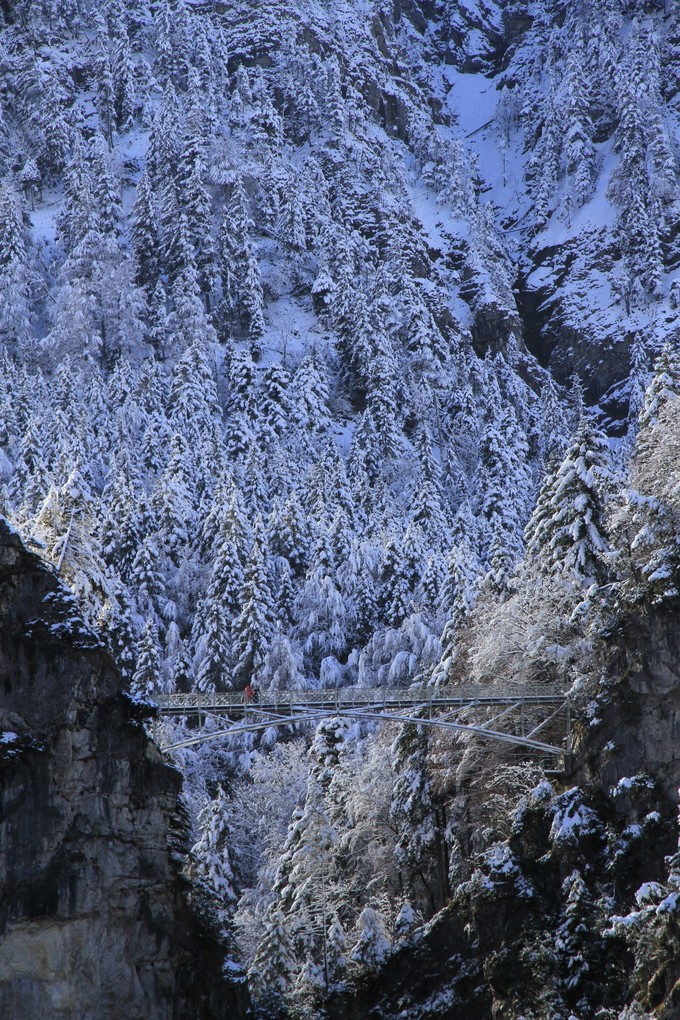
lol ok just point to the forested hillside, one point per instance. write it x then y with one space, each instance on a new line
341 347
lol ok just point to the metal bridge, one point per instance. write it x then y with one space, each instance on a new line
512 715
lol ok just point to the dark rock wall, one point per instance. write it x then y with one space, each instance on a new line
95 919
638 724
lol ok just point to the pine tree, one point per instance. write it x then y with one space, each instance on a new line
227 577
283 666
105 187
382 399
291 536
271 972
66 524
173 508
115 622
395 591
336 956
578 146
105 94
646 523
664 386
213 649
145 235
323 620
16 277
31 481
308 890
573 936
146 677
406 922
143 574
196 203
310 395
275 406
503 455
566 534
124 89
211 860
243 300
253 626
638 379
373 946
30 179
51 125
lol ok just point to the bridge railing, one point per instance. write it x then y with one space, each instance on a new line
348 697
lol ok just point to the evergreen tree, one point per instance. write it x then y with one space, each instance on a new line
663 387
105 93
336 956
211 859
503 455
196 203
51 124
144 577
213 650
275 407
146 678
31 481
105 187
145 236
373 946
578 146
16 278
283 666
124 78
253 626
573 936
243 301
566 534
271 972
308 890
406 922
310 395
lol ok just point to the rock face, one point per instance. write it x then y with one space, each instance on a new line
639 724
577 912
95 919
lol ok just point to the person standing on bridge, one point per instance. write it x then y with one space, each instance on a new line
248 694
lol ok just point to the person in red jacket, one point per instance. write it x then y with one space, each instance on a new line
248 694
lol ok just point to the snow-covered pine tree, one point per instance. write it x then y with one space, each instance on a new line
567 532
146 677
211 860
373 946
254 623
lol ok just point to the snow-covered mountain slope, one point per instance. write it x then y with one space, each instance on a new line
574 119
248 266
299 301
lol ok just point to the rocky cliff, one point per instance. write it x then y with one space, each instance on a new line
577 913
95 918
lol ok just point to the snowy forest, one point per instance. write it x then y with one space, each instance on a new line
341 348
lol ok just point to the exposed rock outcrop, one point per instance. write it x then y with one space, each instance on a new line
577 913
635 720
95 918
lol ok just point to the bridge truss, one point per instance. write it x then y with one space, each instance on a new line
519 716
